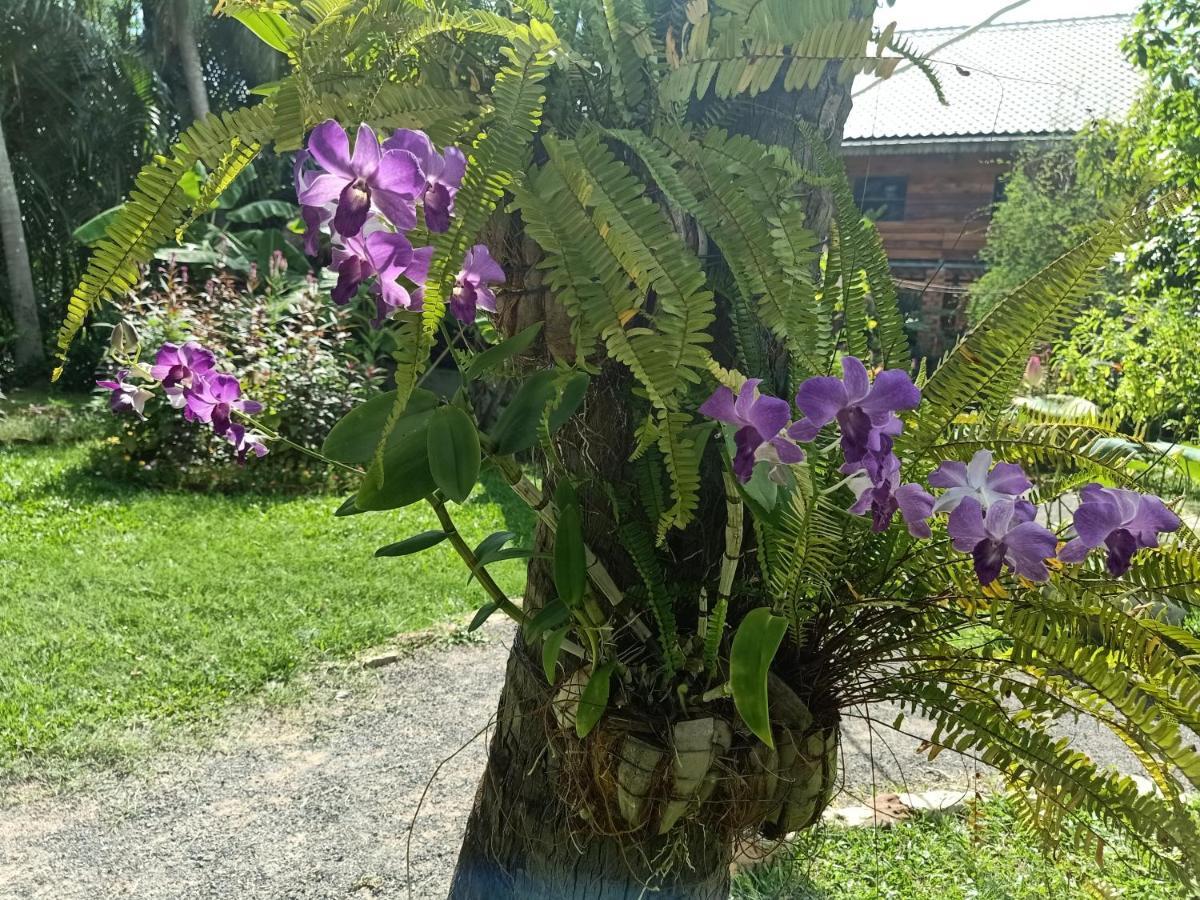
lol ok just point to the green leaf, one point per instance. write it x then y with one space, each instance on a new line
484 613
348 508
553 615
754 646
573 392
551 649
594 700
92 231
270 27
570 568
517 427
353 439
492 543
262 210
453 452
494 356
414 544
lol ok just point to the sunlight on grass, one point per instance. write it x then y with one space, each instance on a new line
122 607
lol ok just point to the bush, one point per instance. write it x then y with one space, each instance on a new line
285 345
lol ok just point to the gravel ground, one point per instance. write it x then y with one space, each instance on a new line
316 801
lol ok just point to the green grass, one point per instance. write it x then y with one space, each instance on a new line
125 612
947 857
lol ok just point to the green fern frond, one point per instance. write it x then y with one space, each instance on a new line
156 206
903 47
637 540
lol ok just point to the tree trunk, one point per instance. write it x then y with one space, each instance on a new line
189 58
523 840
28 351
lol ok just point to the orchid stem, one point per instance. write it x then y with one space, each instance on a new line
479 571
308 451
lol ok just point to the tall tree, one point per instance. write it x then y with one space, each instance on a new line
28 350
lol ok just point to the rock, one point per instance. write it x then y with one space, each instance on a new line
885 811
935 801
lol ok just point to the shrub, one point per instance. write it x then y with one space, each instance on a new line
285 345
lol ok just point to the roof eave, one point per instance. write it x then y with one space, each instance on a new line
943 143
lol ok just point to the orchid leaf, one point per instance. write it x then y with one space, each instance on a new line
754 646
594 700
570 566
453 444
493 357
414 544
551 650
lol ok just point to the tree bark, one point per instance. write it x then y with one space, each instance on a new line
522 839
28 351
189 58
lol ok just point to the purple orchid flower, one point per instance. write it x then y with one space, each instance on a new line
314 217
386 180
418 273
1120 520
245 441
126 396
181 368
762 424
866 412
215 400
884 497
1005 535
981 480
443 174
471 287
382 254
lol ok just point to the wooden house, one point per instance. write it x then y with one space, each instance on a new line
930 173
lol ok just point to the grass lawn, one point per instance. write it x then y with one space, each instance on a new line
123 610
947 857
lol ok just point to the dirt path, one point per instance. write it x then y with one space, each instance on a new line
315 802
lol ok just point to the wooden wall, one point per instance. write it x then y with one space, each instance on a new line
948 205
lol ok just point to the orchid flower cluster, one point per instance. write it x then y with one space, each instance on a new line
190 381
989 516
367 199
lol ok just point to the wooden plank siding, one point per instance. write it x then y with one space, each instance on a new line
934 249
948 205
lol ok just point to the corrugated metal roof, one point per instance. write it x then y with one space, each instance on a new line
1026 78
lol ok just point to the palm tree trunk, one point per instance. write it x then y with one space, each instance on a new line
28 351
523 840
189 58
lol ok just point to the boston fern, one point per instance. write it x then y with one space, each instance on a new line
753 515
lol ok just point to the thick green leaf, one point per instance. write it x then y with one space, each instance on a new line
348 508
91 231
517 427
492 543
454 455
570 568
551 649
353 439
494 356
482 615
754 646
594 700
414 544
406 475
553 615
262 210
270 27
573 391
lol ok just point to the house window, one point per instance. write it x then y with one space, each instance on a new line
882 197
